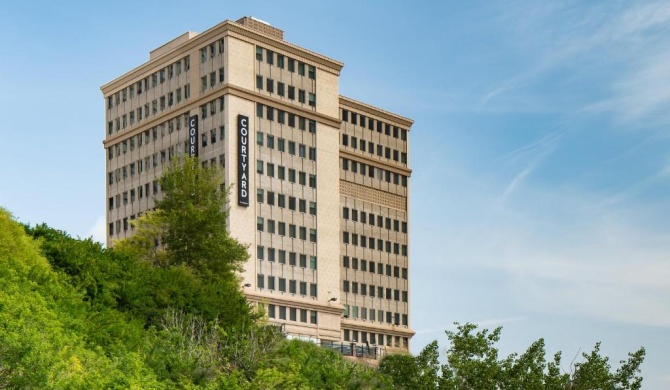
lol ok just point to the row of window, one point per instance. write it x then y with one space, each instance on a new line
212 79
146 137
285 92
209 51
210 108
369 290
281 173
279 227
374 172
279 312
382 128
281 285
370 266
375 315
269 197
125 227
369 242
281 146
280 256
151 161
369 147
374 338
149 82
282 117
369 218
283 60
130 196
140 113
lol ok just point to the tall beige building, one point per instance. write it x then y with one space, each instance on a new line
320 181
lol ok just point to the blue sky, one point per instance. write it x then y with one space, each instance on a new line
540 150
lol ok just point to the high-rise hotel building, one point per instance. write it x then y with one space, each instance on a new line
320 182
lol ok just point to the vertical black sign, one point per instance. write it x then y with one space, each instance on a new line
243 160
193 136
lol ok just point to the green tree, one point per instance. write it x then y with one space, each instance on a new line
473 363
186 236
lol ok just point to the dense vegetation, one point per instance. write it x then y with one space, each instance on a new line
75 315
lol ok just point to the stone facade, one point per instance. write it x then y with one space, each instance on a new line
327 220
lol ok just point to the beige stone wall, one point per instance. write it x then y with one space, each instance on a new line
242 220
239 94
241 56
328 93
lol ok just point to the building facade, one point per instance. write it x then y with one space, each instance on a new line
320 181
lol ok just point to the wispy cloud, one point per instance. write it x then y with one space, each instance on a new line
620 58
486 323
98 230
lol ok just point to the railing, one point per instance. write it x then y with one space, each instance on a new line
346 348
351 349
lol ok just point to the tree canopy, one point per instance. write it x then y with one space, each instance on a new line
473 362
163 309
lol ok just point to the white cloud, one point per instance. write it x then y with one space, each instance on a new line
99 230
484 324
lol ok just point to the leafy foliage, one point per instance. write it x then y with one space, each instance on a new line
76 315
472 362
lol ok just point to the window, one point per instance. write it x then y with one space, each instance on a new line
261 281
270 85
259 138
280 61
291 92
312 99
259 53
312 290
260 195
301 68
260 251
312 262
312 72
259 166
260 224
301 96
291 65
221 74
280 89
259 85
269 56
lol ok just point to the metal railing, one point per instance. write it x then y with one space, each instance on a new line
351 349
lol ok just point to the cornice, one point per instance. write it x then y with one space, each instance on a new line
290 300
224 28
377 163
369 326
227 89
372 110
